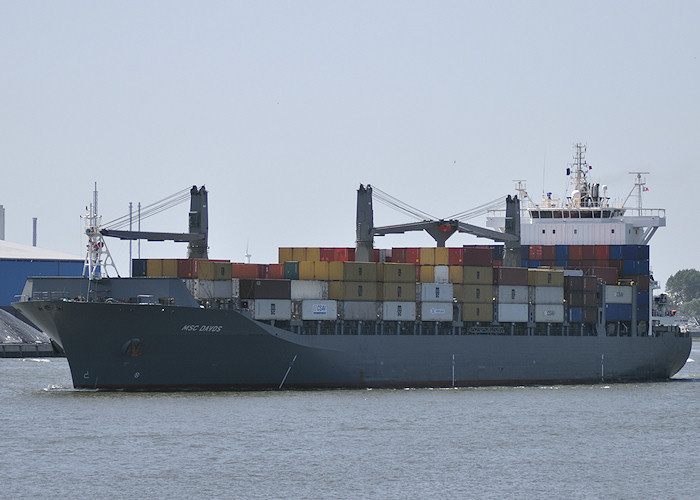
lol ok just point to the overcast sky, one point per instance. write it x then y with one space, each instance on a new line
283 108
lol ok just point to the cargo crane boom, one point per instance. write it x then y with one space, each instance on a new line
440 230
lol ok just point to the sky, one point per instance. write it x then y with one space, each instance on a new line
282 109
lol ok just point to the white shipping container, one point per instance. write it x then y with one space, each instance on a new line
436 311
399 311
549 313
319 310
309 290
548 294
435 292
512 313
360 311
573 272
618 294
267 309
512 294
442 274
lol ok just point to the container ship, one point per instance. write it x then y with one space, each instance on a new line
562 296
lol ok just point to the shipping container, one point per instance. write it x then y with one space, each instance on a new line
169 268
214 270
549 313
311 290
456 256
399 311
251 271
442 274
344 255
298 254
327 254
477 256
322 270
272 271
399 273
588 252
602 252
475 294
618 312
154 268
545 277
562 252
442 256
354 290
269 309
325 310
456 274
575 252
477 275
582 299
187 268
398 291
477 312
285 254
510 276
575 315
549 253
618 294
512 294
427 274
512 313
436 311
548 294
435 292
291 270
353 271
139 267
313 254
607 275
427 256
306 270
398 255
535 252
360 311
265 289
590 315
573 283
413 255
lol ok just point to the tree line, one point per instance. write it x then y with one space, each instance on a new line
683 291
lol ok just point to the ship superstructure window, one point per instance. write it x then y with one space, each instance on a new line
575 231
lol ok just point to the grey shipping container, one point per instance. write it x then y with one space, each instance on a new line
268 309
326 310
398 311
359 310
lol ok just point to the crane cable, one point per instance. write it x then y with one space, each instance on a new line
150 210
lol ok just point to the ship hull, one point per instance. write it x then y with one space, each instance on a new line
152 347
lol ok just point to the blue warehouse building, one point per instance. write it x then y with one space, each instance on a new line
17 262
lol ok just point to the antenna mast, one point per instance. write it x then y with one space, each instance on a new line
97 258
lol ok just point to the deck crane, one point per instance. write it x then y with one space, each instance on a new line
440 229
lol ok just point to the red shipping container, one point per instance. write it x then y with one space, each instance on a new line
274 272
602 252
248 271
456 256
549 252
477 256
607 275
510 276
345 254
187 268
497 263
575 252
535 252
376 255
327 254
588 252
412 255
398 255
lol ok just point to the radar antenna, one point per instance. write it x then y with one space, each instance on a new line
97 259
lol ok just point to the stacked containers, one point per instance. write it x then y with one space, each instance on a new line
356 285
267 299
436 301
618 303
475 293
547 295
398 292
580 293
511 294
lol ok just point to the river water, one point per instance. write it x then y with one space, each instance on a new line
576 441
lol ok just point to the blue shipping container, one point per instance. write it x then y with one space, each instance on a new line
534 263
616 252
629 267
642 313
618 312
562 252
575 315
524 252
563 263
